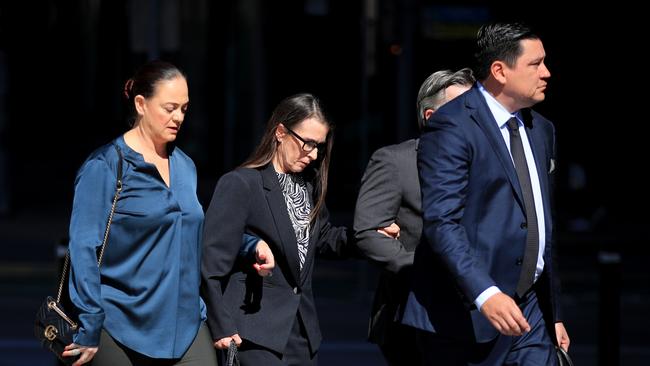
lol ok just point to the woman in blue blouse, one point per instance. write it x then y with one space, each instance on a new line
144 308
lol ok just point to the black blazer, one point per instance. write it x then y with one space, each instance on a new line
260 309
390 192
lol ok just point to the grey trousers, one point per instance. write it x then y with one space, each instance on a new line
200 353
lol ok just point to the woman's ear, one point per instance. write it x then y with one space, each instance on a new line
139 102
280 132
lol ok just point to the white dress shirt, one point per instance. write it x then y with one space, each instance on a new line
501 115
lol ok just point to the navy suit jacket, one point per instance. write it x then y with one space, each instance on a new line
261 309
474 234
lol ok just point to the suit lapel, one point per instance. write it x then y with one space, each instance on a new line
278 207
484 118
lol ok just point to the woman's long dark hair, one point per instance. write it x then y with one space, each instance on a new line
290 112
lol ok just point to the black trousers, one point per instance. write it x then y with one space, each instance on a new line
297 351
399 346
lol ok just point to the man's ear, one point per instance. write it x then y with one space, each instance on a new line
428 112
498 71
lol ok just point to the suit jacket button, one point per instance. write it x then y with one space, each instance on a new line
295 290
523 225
519 261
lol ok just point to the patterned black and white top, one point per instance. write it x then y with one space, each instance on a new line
298 206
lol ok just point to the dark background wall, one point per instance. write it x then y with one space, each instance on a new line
63 65
66 62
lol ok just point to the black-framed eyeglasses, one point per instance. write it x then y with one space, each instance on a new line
309 145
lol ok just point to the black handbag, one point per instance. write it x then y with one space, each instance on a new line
563 358
54 327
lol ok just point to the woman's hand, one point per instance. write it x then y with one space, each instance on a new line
85 353
224 343
265 259
562 336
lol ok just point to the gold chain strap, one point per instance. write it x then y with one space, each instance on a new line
108 225
65 269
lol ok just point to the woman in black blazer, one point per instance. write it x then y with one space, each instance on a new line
277 195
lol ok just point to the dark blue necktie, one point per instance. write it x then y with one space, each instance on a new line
529 264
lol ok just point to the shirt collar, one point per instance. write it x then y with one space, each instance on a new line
500 114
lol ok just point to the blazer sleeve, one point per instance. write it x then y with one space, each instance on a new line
444 160
378 204
223 230
333 241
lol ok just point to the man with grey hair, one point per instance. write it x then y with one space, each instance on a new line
390 193
439 88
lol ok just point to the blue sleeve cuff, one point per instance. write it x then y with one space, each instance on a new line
90 330
248 245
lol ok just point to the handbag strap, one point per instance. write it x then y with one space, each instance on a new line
233 358
563 357
118 189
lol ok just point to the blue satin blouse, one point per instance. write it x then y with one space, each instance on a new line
147 296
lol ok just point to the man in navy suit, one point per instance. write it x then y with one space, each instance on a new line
485 290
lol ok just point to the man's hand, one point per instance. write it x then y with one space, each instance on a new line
391 231
562 336
504 314
265 259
